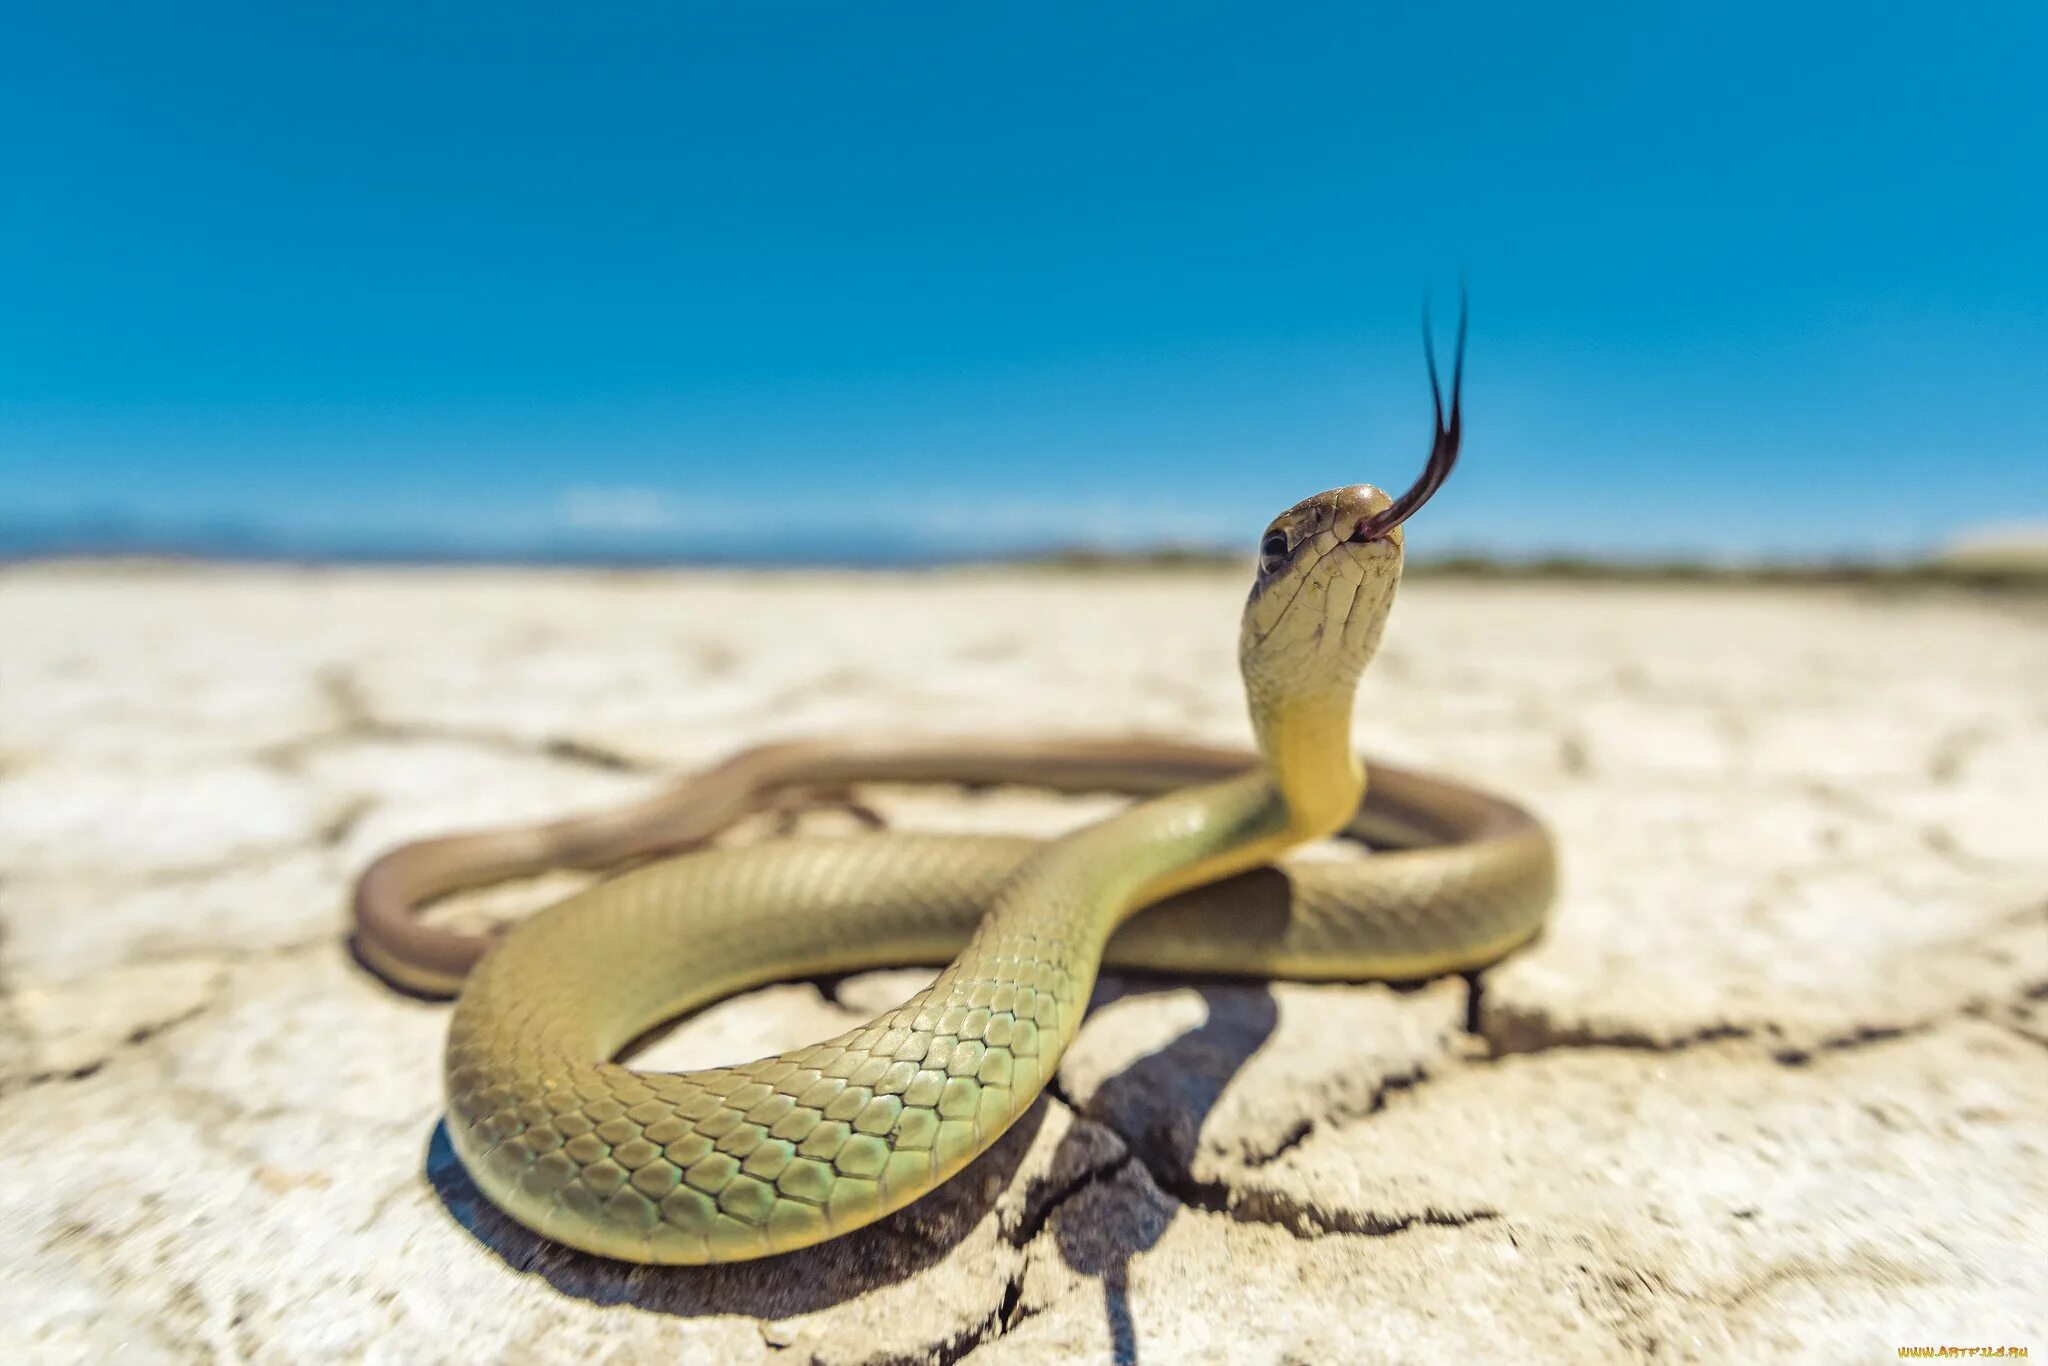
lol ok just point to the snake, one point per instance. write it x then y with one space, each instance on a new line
765 1157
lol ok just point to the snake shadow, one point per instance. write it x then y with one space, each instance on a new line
1157 1105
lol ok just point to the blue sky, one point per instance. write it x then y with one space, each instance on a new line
1745 279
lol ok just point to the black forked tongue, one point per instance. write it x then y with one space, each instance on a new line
1443 452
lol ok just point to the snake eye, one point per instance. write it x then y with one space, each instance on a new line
1272 551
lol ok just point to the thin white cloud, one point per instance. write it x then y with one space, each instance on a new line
1096 522
992 520
619 509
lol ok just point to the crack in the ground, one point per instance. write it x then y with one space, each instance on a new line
1008 1313
1512 1033
2022 1032
1475 1002
135 1038
574 751
1859 1037
2017 1017
1523 1032
1935 838
355 721
1034 1221
1303 1218
1308 1219
221 1108
1390 1085
338 826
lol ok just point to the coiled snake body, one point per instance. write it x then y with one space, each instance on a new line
767 1156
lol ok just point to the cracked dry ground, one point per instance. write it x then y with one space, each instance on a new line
1773 1086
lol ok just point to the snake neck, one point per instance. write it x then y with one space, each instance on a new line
1054 916
1307 745
1310 786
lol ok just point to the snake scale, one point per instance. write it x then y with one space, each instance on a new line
779 1153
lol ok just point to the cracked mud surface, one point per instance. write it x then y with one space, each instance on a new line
1774 1086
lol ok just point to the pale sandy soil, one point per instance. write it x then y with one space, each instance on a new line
1775 1086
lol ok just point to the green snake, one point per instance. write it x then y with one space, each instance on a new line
777 1154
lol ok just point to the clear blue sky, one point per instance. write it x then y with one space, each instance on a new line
1745 278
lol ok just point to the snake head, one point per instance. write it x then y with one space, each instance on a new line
1361 514
1329 565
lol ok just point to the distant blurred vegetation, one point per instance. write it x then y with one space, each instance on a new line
1162 557
2018 569
2019 573
2010 564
